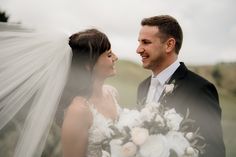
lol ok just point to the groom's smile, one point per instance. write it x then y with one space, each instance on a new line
144 57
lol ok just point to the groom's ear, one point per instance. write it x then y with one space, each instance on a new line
170 45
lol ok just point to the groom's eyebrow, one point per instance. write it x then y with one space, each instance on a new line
144 41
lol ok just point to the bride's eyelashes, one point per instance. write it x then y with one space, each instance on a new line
109 54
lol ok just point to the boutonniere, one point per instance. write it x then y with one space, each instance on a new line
169 88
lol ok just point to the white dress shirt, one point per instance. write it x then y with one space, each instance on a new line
158 82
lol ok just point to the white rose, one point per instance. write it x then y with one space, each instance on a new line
173 119
155 146
129 149
190 151
169 88
128 118
139 135
177 142
115 146
100 136
146 114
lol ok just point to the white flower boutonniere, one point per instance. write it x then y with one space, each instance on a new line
168 88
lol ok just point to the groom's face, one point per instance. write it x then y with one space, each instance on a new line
151 48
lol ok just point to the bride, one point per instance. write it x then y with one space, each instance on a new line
34 67
95 107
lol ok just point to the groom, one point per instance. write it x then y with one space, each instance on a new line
160 40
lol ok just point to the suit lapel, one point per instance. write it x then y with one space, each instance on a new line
177 78
180 73
144 91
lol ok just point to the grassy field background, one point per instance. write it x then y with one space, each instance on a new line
129 75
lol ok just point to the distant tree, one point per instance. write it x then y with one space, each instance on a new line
3 16
216 74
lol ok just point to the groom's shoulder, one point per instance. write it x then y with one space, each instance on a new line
198 82
189 75
197 78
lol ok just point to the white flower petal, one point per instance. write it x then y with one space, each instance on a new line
129 149
139 135
155 146
177 142
173 119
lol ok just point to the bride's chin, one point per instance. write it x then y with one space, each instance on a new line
113 74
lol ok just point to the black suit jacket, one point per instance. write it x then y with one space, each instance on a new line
201 98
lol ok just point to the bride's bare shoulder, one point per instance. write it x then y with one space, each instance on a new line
79 102
78 119
78 109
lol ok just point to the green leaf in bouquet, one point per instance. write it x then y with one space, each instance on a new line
106 145
161 109
194 142
173 153
187 114
116 131
127 129
146 125
126 139
201 148
162 130
141 104
200 137
184 128
186 124
152 130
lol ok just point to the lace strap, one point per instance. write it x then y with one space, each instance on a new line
114 93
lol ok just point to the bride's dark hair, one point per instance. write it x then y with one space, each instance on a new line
86 47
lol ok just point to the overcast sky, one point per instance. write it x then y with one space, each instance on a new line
209 26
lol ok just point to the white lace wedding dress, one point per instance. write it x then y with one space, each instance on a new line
100 127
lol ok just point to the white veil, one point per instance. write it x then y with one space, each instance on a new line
33 72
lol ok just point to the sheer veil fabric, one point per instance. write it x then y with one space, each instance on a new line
33 69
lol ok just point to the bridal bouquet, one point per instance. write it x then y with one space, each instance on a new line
153 131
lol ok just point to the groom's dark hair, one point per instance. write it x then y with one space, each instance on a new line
168 27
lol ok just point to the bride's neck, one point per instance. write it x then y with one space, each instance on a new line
97 88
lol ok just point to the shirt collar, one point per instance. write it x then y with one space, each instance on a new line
165 75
